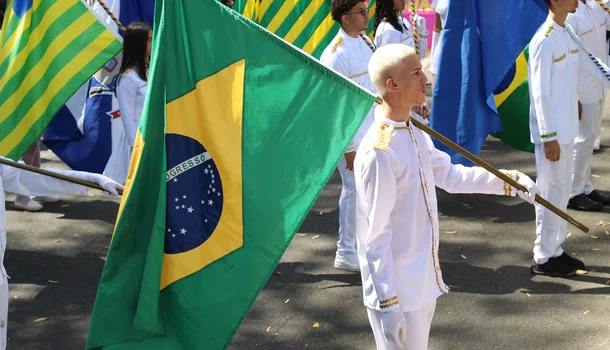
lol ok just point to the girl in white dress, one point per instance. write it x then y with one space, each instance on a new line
133 77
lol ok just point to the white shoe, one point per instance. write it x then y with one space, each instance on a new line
596 144
47 199
29 206
347 261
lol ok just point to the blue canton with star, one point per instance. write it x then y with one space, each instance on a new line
194 194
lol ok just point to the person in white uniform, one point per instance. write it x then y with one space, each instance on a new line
590 22
132 80
391 28
552 71
396 170
440 7
349 53
27 183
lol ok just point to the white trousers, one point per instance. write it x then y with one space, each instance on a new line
3 313
588 130
418 328
555 183
347 211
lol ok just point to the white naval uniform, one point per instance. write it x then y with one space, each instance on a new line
350 57
130 92
440 7
387 34
397 169
590 22
26 183
552 71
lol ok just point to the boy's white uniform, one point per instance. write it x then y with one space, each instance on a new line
27 183
590 22
397 170
350 57
552 71
387 34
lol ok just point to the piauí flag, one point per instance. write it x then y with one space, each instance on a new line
305 24
237 139
49 49
513 102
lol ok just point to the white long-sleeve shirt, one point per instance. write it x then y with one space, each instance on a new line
27 183
397 169
387 34
590 22
350 57
553 65
130 92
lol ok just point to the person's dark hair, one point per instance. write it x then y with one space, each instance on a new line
2 11
340 7
385 12
548 2
135 40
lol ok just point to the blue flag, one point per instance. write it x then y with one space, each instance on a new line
481 42
83 134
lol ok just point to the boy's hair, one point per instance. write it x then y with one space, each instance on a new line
340 7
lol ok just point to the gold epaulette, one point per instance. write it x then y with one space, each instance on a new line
549 30
384 136
337 44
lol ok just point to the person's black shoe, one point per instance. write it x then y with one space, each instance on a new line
600 197
572 261
553 268
584 203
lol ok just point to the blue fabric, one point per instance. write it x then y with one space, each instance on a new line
137 11
91 149
481 41
20 7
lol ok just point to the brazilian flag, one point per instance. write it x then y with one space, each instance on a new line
513 102
239 134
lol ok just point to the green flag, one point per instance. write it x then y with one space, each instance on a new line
239 134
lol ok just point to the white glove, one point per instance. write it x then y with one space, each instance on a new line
106 183
532 188
393 326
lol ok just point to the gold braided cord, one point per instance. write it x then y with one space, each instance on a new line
606 8
424 187
116 20
415 29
